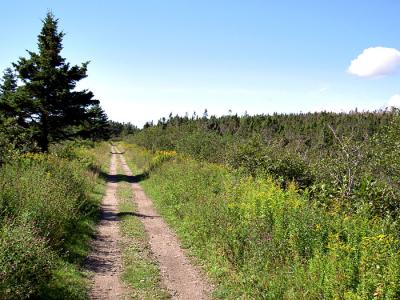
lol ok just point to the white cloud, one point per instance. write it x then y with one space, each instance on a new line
394 101
375 62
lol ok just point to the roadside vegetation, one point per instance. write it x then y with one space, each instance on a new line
48 207
50 161
292 207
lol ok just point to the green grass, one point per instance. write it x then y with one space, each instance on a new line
49 206
141 272
260 241
70 280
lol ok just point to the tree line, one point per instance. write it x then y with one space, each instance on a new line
303 131
348 156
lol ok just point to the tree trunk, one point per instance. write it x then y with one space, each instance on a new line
44 134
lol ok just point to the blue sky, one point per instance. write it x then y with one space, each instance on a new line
150 58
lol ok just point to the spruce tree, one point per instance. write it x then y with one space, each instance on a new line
97 126
8 87
55 109
14 104
14 132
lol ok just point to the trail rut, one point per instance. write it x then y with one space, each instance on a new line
105 260
182 279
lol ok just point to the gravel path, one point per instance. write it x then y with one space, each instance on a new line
182 279
105 260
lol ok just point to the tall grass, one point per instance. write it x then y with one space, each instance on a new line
48 207
261 241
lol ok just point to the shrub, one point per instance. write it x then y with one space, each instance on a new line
255 158
208 146
159 158
50 202
26 261
52 192
262 241
140 157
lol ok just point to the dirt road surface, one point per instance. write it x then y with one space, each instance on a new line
105 260
182 279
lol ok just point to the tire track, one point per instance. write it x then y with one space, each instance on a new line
182 279
105 260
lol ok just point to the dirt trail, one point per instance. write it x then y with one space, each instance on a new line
105 260
181 278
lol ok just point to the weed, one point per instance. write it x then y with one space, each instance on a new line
261 241
53 201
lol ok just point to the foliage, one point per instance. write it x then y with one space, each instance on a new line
96 126
159 158
48 205
260 241
8 87
45 106
8 141
119 130
25 260
351 158
139 156
13 136
53 106
301 132
255 159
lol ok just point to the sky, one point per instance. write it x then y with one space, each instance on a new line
152 58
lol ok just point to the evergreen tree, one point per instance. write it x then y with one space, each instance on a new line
8 87
14 104
9 82
97 126
54 108
13 129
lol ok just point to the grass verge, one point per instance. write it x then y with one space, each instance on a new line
49 205
70 280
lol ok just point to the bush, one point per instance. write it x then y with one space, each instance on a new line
140 157
26 262
264 242
159 158
50 202
256 158
13 140
51 192
207 146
